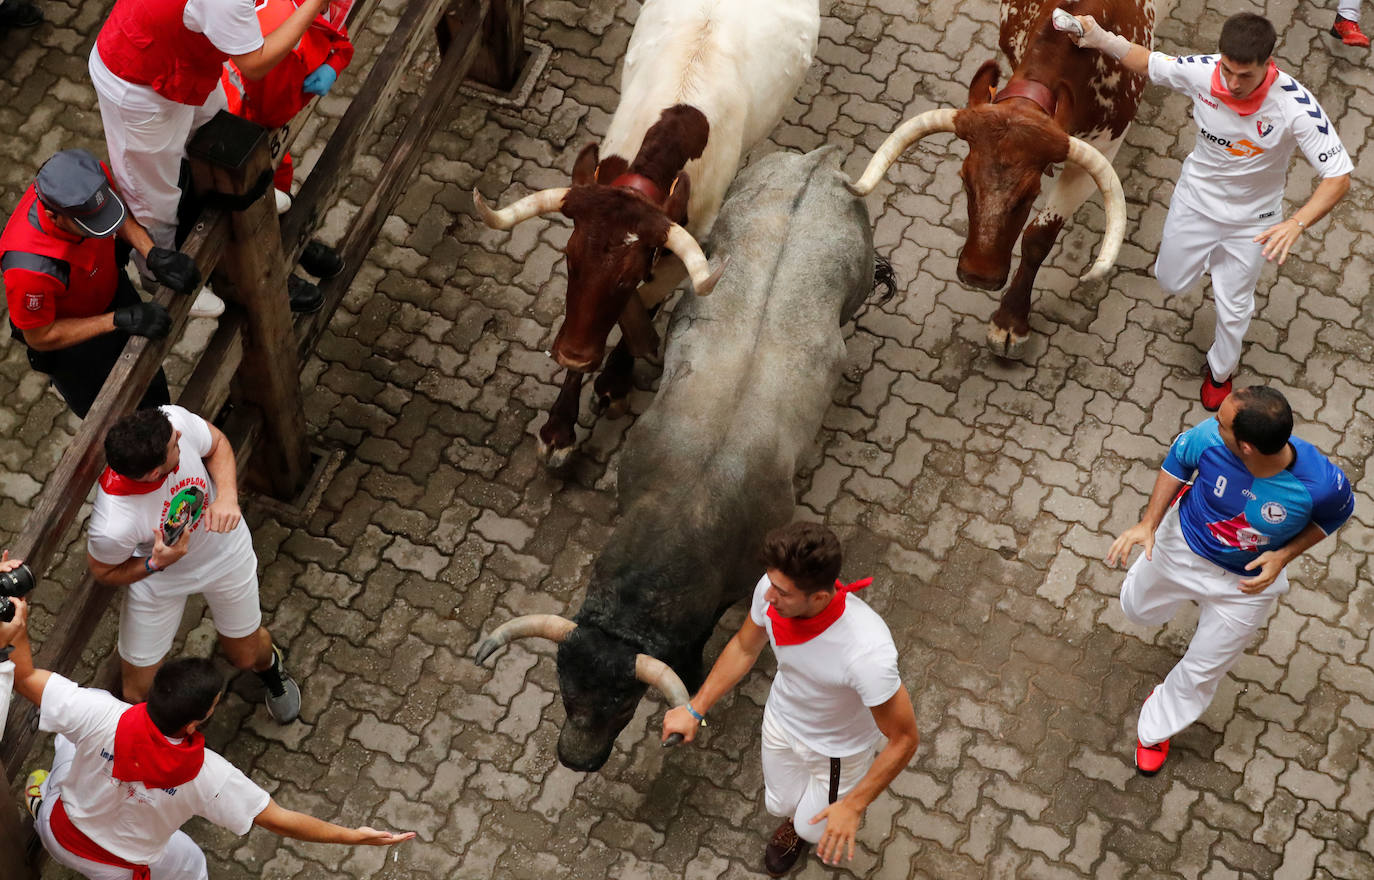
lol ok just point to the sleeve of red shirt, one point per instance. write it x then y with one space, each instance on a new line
341 51
32 298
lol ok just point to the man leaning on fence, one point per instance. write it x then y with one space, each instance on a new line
69 299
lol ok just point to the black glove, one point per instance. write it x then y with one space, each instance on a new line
144 319
174 269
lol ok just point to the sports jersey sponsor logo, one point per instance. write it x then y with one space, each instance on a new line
1206 100
1238 533
1273 512
1263 126
33 302
1243 148
1331 153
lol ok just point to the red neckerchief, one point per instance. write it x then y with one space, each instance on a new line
795 630
143 754
78 844
1248 105
118 484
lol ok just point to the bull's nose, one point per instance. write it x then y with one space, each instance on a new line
981 281
582 763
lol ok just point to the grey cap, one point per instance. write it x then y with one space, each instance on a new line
73 184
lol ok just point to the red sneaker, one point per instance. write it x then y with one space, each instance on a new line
1148 759
1349 33
1213 392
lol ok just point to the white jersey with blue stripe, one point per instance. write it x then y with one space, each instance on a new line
1229 516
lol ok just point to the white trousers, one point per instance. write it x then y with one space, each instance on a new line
181 860
146 135
1349 9
1193 243
796 779
1227 621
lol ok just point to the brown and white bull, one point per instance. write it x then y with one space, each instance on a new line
704 81
1061 104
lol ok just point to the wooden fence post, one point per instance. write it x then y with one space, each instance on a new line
13 859
503 42
230 155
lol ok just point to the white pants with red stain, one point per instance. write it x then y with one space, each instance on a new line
181 860
146 135
796 779
1228 619
1193 243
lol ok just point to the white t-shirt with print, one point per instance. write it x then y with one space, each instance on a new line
1239 166
127 818
122 525
825 687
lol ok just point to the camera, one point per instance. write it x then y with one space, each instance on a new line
14 584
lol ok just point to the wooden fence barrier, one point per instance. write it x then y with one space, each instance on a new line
254 358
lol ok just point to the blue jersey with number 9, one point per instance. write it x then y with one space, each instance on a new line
1230 517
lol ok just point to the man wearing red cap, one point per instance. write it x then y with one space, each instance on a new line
125 778
1224 216
836 694
156 67
69 299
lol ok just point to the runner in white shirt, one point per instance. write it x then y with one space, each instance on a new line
836 694
1225 216
126 778
166 524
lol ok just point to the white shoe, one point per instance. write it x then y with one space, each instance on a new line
207 305
283 201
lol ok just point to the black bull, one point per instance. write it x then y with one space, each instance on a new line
707 470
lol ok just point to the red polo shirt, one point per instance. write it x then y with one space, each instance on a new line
50 274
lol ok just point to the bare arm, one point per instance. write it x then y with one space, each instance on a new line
223 514
66 332
897 720
29 682
133 232
257 64
1143 533
734 663
1132 56
300 826
136 568
1280 237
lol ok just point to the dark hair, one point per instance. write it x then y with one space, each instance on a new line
138 442
1247 38
1263 418
183 691
808 553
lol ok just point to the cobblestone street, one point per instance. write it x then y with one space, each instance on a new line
981 494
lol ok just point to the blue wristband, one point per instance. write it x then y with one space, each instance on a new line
697 715
148 564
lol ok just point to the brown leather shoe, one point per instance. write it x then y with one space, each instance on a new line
783 850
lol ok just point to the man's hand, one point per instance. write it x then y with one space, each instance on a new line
1089 24
842 824
1140 533
372 837
165 554
7 564
12 631
679 720
174 269
143 319
223 514
1270 564
321 80
1279 238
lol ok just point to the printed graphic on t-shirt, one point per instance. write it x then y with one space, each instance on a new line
1237 532
182 513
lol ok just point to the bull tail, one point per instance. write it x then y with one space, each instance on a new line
883 277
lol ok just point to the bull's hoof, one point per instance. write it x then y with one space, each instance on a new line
1006 343
554 448
610 406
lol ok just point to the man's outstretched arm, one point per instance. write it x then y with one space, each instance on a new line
734 663
302 826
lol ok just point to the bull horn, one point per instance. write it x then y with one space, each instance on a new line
908 133
681 243
661 677
545 626
1087 157
546 201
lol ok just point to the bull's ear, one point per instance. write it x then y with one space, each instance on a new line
610 169
584 170
984 83
676 204
1063 107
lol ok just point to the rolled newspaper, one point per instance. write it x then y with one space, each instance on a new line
1065 22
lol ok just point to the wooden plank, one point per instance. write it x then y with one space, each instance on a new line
208 388
503 45
14 836
377 95
399 167
229 154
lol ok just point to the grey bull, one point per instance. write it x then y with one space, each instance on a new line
708 469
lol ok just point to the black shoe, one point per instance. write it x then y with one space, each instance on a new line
783 850
19 14
320 260
305 297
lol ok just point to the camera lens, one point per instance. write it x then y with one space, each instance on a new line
6 610
17 582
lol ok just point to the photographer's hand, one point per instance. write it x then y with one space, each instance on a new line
165 554
7 564
11 631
